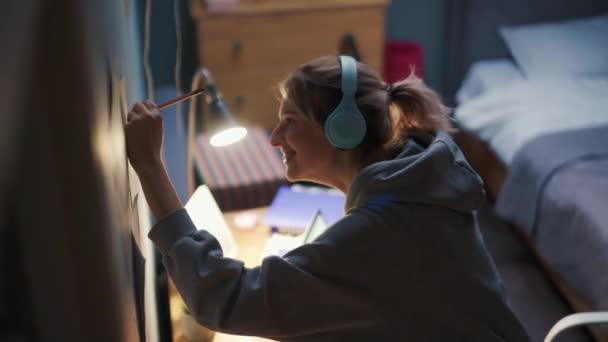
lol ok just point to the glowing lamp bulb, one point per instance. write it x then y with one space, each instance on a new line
228 136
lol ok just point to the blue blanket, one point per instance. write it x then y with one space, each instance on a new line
557 192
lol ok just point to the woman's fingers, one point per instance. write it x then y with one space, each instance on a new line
132 115
150 105
140 109
144 132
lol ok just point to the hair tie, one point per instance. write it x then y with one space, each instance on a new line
390 91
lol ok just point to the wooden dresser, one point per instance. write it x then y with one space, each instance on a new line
249 49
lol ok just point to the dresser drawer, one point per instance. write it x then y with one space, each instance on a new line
241 42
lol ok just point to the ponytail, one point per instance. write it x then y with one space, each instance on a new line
413 106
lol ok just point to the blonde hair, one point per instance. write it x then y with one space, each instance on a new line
391 111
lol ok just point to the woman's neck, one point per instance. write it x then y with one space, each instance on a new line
350 164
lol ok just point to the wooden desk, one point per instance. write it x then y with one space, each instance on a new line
250 243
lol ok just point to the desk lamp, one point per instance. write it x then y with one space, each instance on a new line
221 125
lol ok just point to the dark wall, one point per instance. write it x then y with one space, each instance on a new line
163 41
162 57
69 211
422 21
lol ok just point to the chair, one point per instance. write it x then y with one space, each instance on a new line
570 321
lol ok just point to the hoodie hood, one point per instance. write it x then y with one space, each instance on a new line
430 169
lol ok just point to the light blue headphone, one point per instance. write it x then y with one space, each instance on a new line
345 126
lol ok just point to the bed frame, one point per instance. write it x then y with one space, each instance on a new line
473 35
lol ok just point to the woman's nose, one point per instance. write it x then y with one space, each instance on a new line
275 137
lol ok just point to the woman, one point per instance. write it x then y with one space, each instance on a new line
405 263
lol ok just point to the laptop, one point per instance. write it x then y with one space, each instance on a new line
279 244
316 226
206 214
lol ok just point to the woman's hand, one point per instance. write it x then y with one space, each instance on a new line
144 136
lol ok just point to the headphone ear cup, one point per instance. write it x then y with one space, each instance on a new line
345 129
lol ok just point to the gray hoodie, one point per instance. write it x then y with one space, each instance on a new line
405 263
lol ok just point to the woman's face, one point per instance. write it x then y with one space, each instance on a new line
307 154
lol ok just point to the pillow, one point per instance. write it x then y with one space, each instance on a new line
486 75
509 116
557 49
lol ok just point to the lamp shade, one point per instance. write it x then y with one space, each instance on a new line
221 125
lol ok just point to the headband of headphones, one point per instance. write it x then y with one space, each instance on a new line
345 126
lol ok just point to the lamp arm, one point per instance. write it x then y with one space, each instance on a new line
199 76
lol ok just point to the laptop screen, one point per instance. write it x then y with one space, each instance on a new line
315 228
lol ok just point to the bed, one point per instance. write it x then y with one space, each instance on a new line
529 84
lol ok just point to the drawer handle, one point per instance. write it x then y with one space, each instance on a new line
348 46
237 47
240 101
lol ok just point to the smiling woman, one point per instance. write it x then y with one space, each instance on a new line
409 226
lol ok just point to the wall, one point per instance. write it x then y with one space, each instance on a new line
162 60
423 21
74 204
163 41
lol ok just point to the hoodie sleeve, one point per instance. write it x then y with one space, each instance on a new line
281 298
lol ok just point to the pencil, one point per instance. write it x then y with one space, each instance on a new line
180 98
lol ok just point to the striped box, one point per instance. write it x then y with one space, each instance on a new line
243 175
